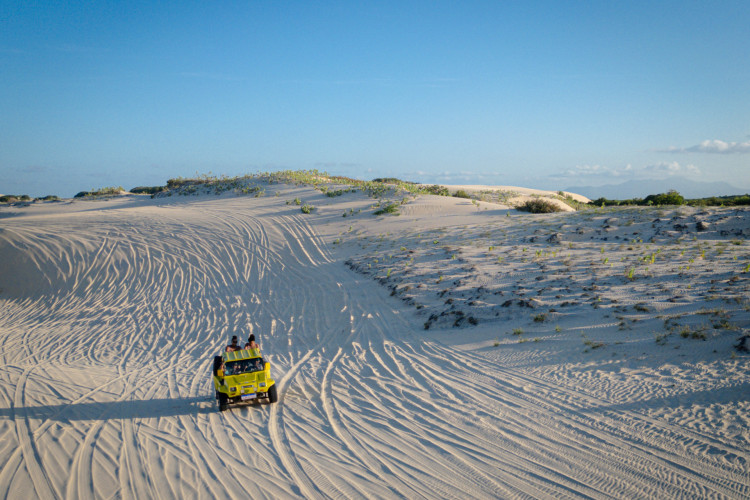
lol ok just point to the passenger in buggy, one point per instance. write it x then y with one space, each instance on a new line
251 344
234 346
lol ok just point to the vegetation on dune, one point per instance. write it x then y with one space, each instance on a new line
13 198
570 201
384 188
24 198
105 191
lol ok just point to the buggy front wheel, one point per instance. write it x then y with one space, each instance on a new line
273 396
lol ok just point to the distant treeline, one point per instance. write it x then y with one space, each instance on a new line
674 198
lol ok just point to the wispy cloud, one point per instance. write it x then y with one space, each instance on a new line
600 174
671 168
601 171
714 146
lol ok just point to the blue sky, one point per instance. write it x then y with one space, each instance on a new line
545 94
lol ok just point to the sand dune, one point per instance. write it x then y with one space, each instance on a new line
111 311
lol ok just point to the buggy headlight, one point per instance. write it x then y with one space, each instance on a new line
232 389
262 384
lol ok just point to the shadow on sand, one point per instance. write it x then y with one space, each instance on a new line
128 409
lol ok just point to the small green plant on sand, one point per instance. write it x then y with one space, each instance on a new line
307 209
391 209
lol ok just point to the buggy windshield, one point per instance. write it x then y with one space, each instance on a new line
243 366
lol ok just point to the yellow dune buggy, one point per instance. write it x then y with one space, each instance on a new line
243 376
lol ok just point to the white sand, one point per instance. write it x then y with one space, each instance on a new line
111 311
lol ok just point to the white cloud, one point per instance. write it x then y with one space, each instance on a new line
714 146
602 171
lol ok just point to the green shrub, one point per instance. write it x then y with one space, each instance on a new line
674 198
461 194
391 208
100 192
307 209
338 192
540 206
436 190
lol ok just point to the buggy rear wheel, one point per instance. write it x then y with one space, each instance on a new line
223 402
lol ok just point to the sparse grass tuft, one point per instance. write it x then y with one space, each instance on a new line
391 208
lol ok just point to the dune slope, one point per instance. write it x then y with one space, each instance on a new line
110 316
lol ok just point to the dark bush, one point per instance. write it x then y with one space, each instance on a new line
391 180
670 198
461 194
540 206
148 189
181 181
12 198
